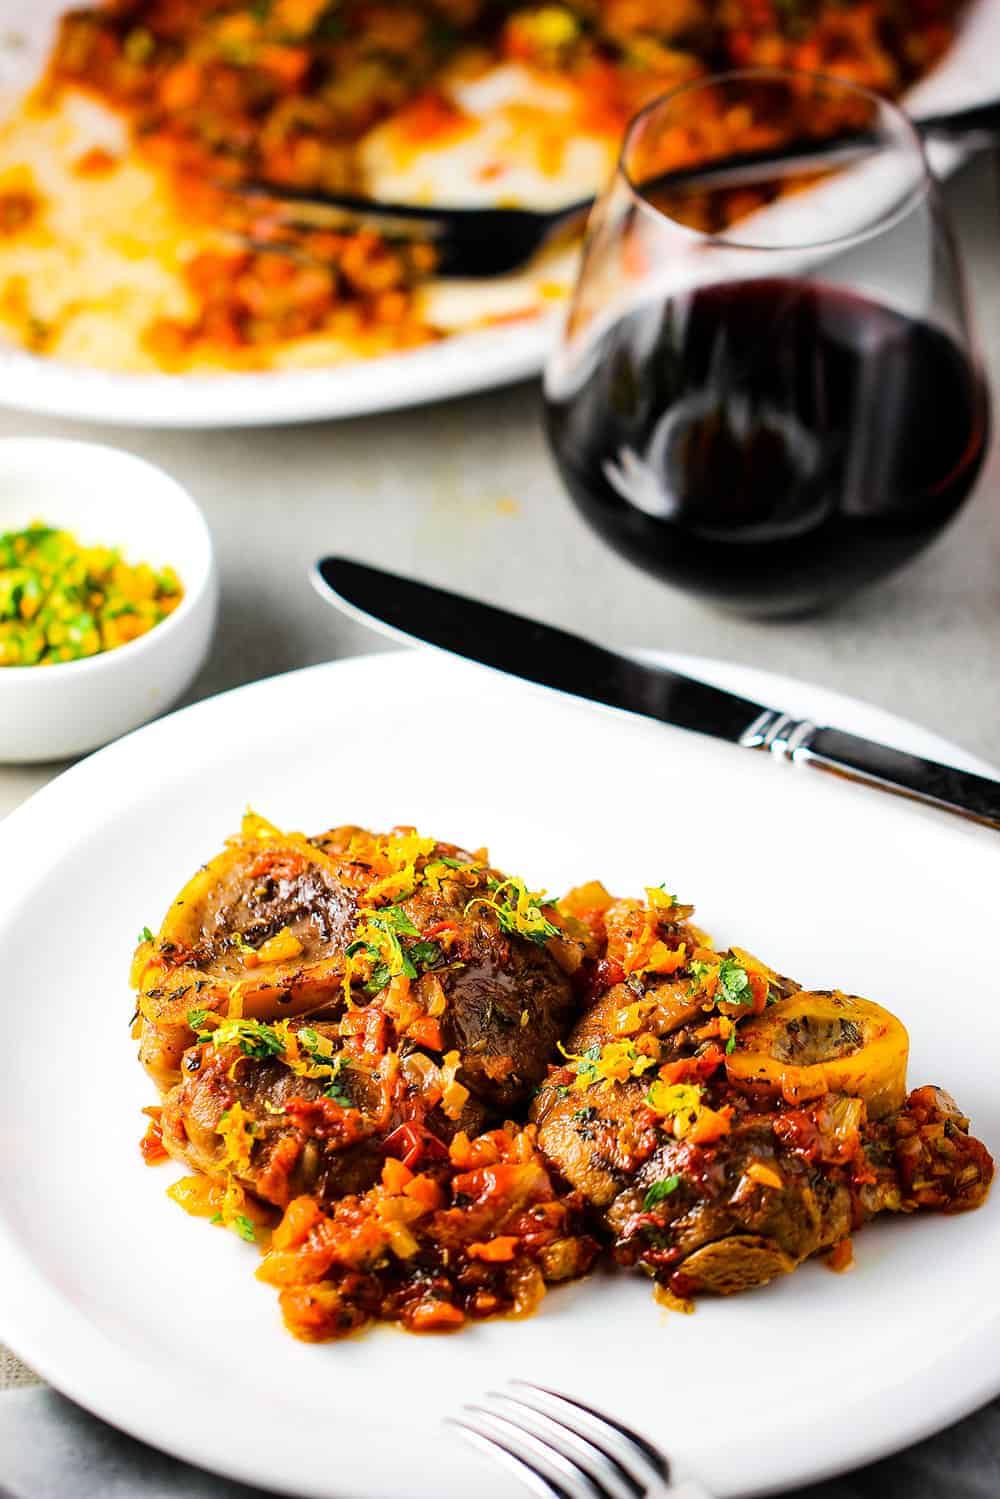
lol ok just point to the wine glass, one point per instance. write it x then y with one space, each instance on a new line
766 391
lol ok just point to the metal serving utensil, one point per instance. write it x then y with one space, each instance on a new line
479 242
554 658
561 1448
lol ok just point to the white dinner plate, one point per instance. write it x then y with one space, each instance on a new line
454 366
154 1320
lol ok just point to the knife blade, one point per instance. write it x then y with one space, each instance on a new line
555 658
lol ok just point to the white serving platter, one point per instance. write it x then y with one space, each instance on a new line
459 365
155 1321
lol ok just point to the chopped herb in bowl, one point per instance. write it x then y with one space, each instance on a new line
62 601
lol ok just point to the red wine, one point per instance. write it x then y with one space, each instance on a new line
773 444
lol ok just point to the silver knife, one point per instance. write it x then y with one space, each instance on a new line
554 658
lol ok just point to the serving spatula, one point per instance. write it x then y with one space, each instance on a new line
554 658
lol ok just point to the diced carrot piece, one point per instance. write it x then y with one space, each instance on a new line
425 1191
426 1032
301 1214
841 1256
287 63
151 1144
180 86
710 1125
759 988
395 1176
495 1251
434 1316
663 959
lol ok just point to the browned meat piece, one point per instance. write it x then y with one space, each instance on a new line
459 957
780 1188
731 1215
266 921
721 1124
597 1141
499 963
280 1133
770 1191
507 1003
657 997
726 1127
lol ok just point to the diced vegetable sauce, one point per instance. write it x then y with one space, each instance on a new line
478 1084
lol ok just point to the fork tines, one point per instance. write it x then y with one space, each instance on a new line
560 1447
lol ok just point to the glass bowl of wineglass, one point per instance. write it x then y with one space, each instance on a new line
766 391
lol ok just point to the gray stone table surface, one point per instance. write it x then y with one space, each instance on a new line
464 494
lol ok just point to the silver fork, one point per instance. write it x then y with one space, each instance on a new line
492 241
562 1449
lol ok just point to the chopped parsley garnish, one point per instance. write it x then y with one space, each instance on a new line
586 1065
379 933
518 910
320 1051
396 918
734 983
381 973
731 1043
612 1062
243 1226
146 935
424 954
306 1051
61 600
658 1191
240 1224
255 1038
659 897
669 1099
584 1114
379 938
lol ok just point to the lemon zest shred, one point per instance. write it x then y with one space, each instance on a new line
234 1009
673 1100
397 854
454 1095
521 912
237 1131
614 1062
281 948
659 899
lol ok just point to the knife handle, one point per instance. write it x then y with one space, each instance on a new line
804 743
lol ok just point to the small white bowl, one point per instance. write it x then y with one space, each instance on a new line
107 497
